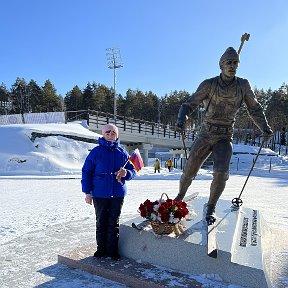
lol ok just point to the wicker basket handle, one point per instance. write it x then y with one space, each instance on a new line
162 196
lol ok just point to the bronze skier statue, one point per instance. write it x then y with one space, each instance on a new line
222 96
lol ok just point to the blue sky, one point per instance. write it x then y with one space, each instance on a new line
165 45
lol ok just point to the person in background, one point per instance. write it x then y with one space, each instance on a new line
169 164
222 97
103 182
157 165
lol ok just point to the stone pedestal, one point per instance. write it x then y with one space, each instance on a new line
243 241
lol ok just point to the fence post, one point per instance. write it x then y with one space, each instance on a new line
87 117
65 116
97 119
270 165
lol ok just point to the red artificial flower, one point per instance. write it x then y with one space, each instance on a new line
178 209
178 214
186 211
169 202
162 209
165 217
183 204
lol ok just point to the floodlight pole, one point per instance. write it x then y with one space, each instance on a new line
114 62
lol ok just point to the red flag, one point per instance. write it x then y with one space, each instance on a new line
136 160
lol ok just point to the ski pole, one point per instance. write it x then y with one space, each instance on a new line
183 140
237 201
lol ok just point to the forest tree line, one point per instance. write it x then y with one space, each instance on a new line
25 97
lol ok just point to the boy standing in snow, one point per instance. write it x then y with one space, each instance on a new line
169 164
157 165
103 182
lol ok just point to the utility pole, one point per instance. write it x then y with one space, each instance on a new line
114 62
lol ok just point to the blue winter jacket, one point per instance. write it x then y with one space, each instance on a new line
98 172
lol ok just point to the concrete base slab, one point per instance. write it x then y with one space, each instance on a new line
243 240
132 273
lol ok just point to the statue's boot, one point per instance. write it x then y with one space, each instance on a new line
217 187
210 214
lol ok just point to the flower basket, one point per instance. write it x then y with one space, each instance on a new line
164 215
166 228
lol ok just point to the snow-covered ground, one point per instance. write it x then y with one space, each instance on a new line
43 213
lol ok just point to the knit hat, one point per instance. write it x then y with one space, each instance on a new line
229 54
108 127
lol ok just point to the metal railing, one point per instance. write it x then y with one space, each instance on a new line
97 119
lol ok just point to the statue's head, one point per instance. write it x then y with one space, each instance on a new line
229 63
229 54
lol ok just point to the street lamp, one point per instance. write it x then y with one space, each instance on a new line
114 62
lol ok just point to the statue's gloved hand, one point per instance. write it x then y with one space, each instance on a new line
267 134
182 117
180 127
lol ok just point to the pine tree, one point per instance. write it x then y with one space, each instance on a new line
172 106
99 94
151 107
88 98
108 105
20 96
277 108
4 99
52 102
36 97
74 99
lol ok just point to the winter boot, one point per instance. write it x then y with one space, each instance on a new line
210 214
100 254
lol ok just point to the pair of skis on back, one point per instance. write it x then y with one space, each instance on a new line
210 230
